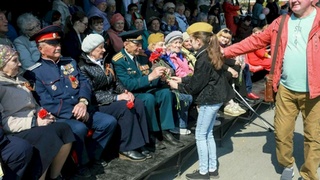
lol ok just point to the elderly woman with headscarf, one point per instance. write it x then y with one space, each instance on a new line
112 98
25 119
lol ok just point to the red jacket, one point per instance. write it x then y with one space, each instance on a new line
229 12
269 35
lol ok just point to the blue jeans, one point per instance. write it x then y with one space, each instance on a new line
204 137
247 76
185 101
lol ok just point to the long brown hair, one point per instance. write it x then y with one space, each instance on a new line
213 49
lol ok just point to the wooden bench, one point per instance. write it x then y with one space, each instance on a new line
171 159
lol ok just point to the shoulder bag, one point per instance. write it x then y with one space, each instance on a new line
269 94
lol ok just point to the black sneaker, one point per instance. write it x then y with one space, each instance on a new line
100 162
83 172
197 176
214 174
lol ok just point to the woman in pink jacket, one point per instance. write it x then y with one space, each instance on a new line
173 42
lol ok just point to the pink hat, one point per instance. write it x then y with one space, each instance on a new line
115 18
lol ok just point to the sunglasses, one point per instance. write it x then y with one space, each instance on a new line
226 31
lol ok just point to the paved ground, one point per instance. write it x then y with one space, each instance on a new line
248 152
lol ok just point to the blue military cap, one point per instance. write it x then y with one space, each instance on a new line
134 36
50 34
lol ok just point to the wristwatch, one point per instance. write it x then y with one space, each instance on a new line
84 101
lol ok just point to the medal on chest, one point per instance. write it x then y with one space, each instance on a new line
67 69
144 69
74 81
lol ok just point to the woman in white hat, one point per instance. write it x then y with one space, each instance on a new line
112 98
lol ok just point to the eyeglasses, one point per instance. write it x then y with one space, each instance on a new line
226 31
86 24
37 26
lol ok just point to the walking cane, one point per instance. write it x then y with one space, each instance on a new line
244 102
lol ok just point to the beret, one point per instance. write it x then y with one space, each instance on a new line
115 18
6 52
172 36
199 27
50 34
155 37
91 41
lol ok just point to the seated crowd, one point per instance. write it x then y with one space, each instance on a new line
82 75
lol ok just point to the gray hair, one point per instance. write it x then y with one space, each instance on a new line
25 20
202 17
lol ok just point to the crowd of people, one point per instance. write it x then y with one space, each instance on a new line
83 75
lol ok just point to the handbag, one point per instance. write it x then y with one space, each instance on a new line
269 94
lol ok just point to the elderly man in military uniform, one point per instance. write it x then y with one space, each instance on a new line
134 72
62 90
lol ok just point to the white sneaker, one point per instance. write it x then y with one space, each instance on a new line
181 131
239 108
217 123
231 110
287 174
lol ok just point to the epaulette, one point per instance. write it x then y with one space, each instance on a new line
34 66
117 56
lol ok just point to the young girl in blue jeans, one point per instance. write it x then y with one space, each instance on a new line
209 88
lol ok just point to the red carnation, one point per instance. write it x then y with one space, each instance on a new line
130 104
155 55
90 133
72 78
42 113
159 50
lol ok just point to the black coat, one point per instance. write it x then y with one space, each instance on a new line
105 87
207 85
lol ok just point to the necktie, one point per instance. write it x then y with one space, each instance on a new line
135 61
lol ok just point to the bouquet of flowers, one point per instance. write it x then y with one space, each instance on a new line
155 58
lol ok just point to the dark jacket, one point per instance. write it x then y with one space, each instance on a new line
105 86
207 85
71 45
59 86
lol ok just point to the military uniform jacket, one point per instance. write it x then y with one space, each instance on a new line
207 85
59 86
134 76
